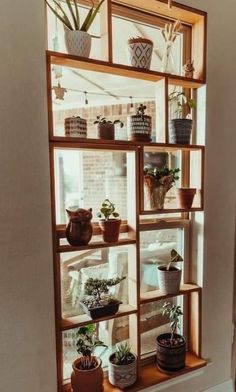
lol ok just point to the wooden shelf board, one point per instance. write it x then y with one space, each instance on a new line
78 321
170 211
151 375
95 245
66 60
97 143
156 295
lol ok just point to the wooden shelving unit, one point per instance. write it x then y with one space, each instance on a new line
137 222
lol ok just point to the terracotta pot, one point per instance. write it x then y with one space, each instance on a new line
186 196
180 131
170 359
140 128
110 229
140 50
122 376
106 131
78 43
169 281
102 311
87 380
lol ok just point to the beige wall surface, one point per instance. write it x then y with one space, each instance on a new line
27 345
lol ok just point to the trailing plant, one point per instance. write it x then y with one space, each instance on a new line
107 210
85 345
72 14
103 120
123 355
184 104
173 312
174 258
97 292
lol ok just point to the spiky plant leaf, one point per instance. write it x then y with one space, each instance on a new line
72 14
64 19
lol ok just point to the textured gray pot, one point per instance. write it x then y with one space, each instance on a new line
169 281
122 376
180 131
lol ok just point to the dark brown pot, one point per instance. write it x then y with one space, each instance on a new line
102 311
106 131
186 196
110 229
87 380
180 131
170 359
79 230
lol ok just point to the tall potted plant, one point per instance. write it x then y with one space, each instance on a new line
77 38
171 347
106 128
122 367
109 223
87 374
98 302
169 276
157 182
181 127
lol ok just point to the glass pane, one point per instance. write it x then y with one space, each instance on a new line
155 248
78 267
111 332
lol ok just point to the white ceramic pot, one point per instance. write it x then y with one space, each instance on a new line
140 51
78 42
169 281
122 376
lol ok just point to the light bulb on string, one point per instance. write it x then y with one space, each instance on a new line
85 96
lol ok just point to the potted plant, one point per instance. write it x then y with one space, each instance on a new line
157 183
98 302
122 367
185 197
171 347
110 227
169 276
106 128
140 51
141 125
181 127
87 374
75 127
77 39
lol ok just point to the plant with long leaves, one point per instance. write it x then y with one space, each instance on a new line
107 210
123 355
173 312
103 120
174 258
70 17
184 104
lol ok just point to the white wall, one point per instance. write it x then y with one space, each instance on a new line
27 344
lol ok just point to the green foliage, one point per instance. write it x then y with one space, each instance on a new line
107 210
96 287
141 110
123 354
86 340
159 174
173 312
103 120
184 104
73 13
174 258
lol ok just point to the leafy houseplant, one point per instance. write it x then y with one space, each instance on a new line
98 302
169 276
141 125
140 51
110 227
181 127
106 128
122 367
77 39
171 347
87 374
157 183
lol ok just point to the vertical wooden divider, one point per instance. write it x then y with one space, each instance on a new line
109 26
105 31
195 308
49 95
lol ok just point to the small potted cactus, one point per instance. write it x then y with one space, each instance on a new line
87 374
140 125
169 276
98 302
108 222
157 182
122 367
140 52
171 347
106 128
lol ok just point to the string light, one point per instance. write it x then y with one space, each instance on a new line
86 99
131 102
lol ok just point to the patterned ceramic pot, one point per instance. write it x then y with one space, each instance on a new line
171 359
140 51
78 42
140 128
87 380
169 280
180 131
122 376
75 127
